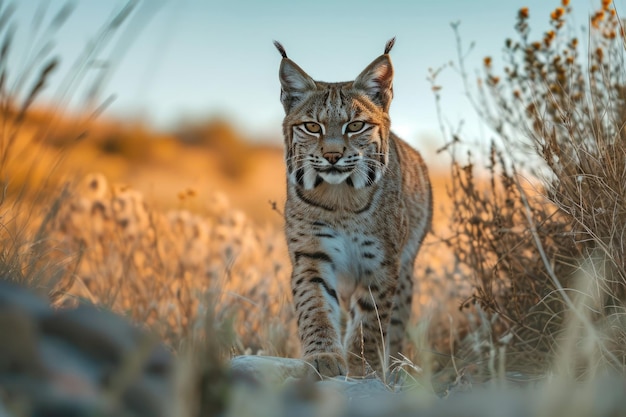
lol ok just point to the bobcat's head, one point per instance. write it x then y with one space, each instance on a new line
336 132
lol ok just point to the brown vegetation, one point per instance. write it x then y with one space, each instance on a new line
542 260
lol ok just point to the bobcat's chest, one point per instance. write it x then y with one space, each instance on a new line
356 254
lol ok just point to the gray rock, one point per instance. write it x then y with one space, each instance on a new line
13 297
101 334
267 369
78 362
294 375
18 348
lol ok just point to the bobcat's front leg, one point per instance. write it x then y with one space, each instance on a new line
317 307
366 336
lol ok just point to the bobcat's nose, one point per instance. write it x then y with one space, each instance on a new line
333 157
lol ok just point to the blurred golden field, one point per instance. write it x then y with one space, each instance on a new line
152 224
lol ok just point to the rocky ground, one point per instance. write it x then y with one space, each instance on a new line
89 362
371 397
77 362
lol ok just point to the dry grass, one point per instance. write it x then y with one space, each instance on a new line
161 267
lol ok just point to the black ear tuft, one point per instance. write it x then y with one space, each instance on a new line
280 49
388 45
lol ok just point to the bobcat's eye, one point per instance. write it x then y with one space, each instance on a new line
312 127
353 127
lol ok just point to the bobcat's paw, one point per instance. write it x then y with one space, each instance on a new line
327 364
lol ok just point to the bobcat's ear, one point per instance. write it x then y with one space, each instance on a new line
294 82
377 79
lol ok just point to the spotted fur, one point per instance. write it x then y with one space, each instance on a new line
358 207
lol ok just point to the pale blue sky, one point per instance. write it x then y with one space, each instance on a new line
202 58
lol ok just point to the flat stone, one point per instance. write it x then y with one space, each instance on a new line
356 389
267 369
278 371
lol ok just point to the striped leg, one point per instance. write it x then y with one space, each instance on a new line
317 307
401 313
366 334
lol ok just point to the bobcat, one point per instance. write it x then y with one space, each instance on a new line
358 207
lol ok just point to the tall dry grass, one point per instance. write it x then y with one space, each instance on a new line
27 171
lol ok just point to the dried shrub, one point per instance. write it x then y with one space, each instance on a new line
555 198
